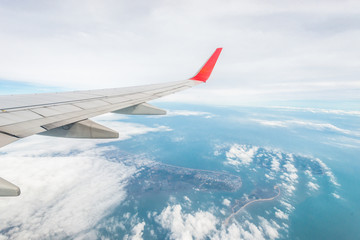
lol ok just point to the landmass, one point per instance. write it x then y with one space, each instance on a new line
162 177
250 202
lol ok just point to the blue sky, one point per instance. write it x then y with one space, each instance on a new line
274 52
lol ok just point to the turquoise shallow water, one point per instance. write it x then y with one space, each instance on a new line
313 156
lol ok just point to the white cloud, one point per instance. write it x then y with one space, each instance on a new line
336 195
271 123
61 196
185 225
309 174
186 198
289 176
313 186
280 214
223 212
304 50
306 124
186 113
137 231
127 130
290 188
249 231
320 110
226 202
291 172
111 117
328 172
275 164
270 228
240 154
204 225
287 205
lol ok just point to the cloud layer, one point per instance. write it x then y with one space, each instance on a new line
272 52
203 225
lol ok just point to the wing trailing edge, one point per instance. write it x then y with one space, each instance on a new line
141 109
7 189
82 129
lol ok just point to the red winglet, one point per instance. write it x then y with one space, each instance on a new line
206 70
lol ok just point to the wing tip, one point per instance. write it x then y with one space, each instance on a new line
205 72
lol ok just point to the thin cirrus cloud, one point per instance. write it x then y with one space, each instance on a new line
319 126
281 51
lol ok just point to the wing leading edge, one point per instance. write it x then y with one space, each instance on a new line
67 114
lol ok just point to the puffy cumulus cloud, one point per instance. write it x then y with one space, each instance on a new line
290 172
280 214
313 186
61 196
204 225
270 228
240 154
275 164
289 176
67 185
287 205
226 202
309 174
185 225
264 229
137 232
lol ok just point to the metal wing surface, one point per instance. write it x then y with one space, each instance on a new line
67 114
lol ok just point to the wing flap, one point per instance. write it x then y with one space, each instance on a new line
7 189
141 109
82 129
56 110
5 139
17 116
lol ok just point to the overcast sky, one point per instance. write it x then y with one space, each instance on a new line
273 50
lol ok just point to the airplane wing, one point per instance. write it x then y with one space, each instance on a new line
67 114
